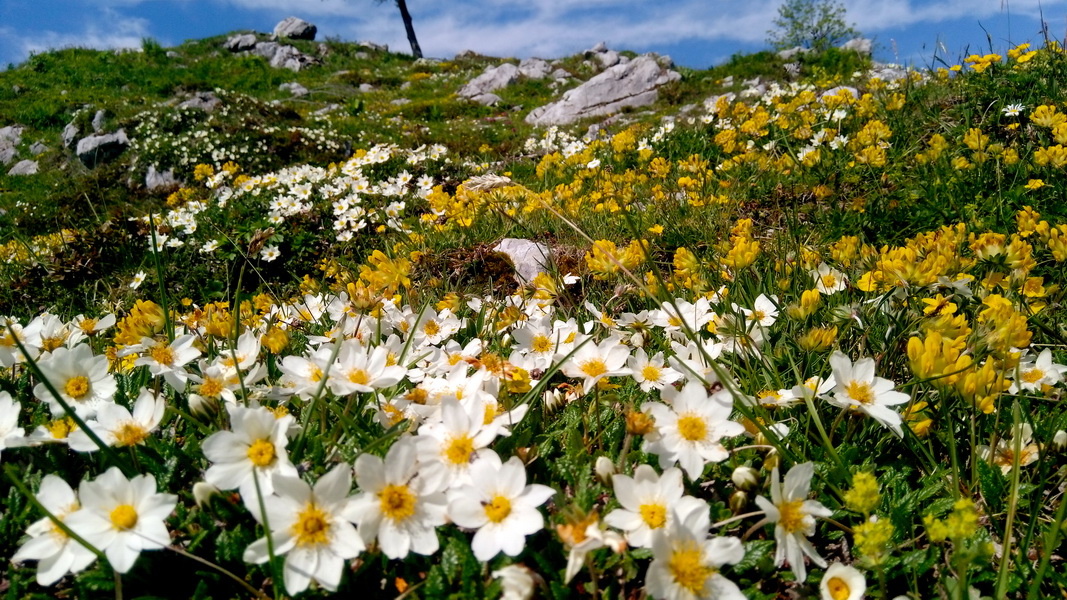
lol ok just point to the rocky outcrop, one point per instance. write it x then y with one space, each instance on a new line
295 28
294 88
205 101
861 45
635 83
98 149
534 68
70 133
24 167
284 57
155 179
529 258
10 137
241 42
491 80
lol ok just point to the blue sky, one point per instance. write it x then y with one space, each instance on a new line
696 33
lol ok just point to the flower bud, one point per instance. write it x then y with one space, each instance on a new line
202 493
738 501
745 478
1059 441
202 406
604 469
639 423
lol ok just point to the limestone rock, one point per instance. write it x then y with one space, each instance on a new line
12 134
24 167
240 42
534 68
488 99
492 79
98 120
529 258
155 179
7 154
98 149
608 59
205 101
635 83
288 57
295 28
38 148
294 88
70 133
366 87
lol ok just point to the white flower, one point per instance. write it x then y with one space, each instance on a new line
402 501
764 311
357 370
794 518
122 516
10 433
592 362
500 505
649 501
651 373
828 280
269 253
842 582
255 449
1013 110
1037 373
686 563
56 552
137 280
168 359
115 426
689 427
1019 449
859 389
307 526
517 582
460 437
81 379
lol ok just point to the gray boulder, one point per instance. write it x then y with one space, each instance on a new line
608 59
600 47
266 49
529 258
287 57
492 79
24 167
488 99
98 120
98 149
240 42
7 154
790 53
205 101
294 88
155 179
366 87
70 133
38 148
373 46
534 68
635 83
12 134
295 28
859 44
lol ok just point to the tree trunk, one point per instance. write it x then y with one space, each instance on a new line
406 16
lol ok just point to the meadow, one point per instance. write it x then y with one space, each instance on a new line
793 341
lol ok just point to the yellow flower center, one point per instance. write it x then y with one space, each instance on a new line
77 387
87 326
860 391
130 433
838 588
61 428
162 354
312 526
651 373
692 427
541 343
654 515
397 502
124 517
674 321
758 315
431 328
51 343
211 387
1033 375
316 374
688 570
791 515
359 376
390 359
261 453
829 281
594 367
459 449
498 509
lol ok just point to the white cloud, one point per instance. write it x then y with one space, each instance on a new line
109 30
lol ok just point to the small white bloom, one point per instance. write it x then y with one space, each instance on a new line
137 280
794 518
842 582
269 253
56 552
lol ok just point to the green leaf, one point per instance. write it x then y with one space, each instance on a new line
755 552
993 484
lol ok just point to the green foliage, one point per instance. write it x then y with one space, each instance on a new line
814 24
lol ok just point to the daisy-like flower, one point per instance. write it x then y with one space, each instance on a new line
500 505
842 582
56 553
10 432
168 360
307 527
458 439
592 362
115 426
689 428
93 326
1037 373
1012 110
647 501
122 516
859 389
583 537
402 501
828 280
794 518
764 311
1005 455
254 449
686 563
651 373
360 370
137 280
269 253
81 379
517 582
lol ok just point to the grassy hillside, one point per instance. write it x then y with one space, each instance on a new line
850 281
